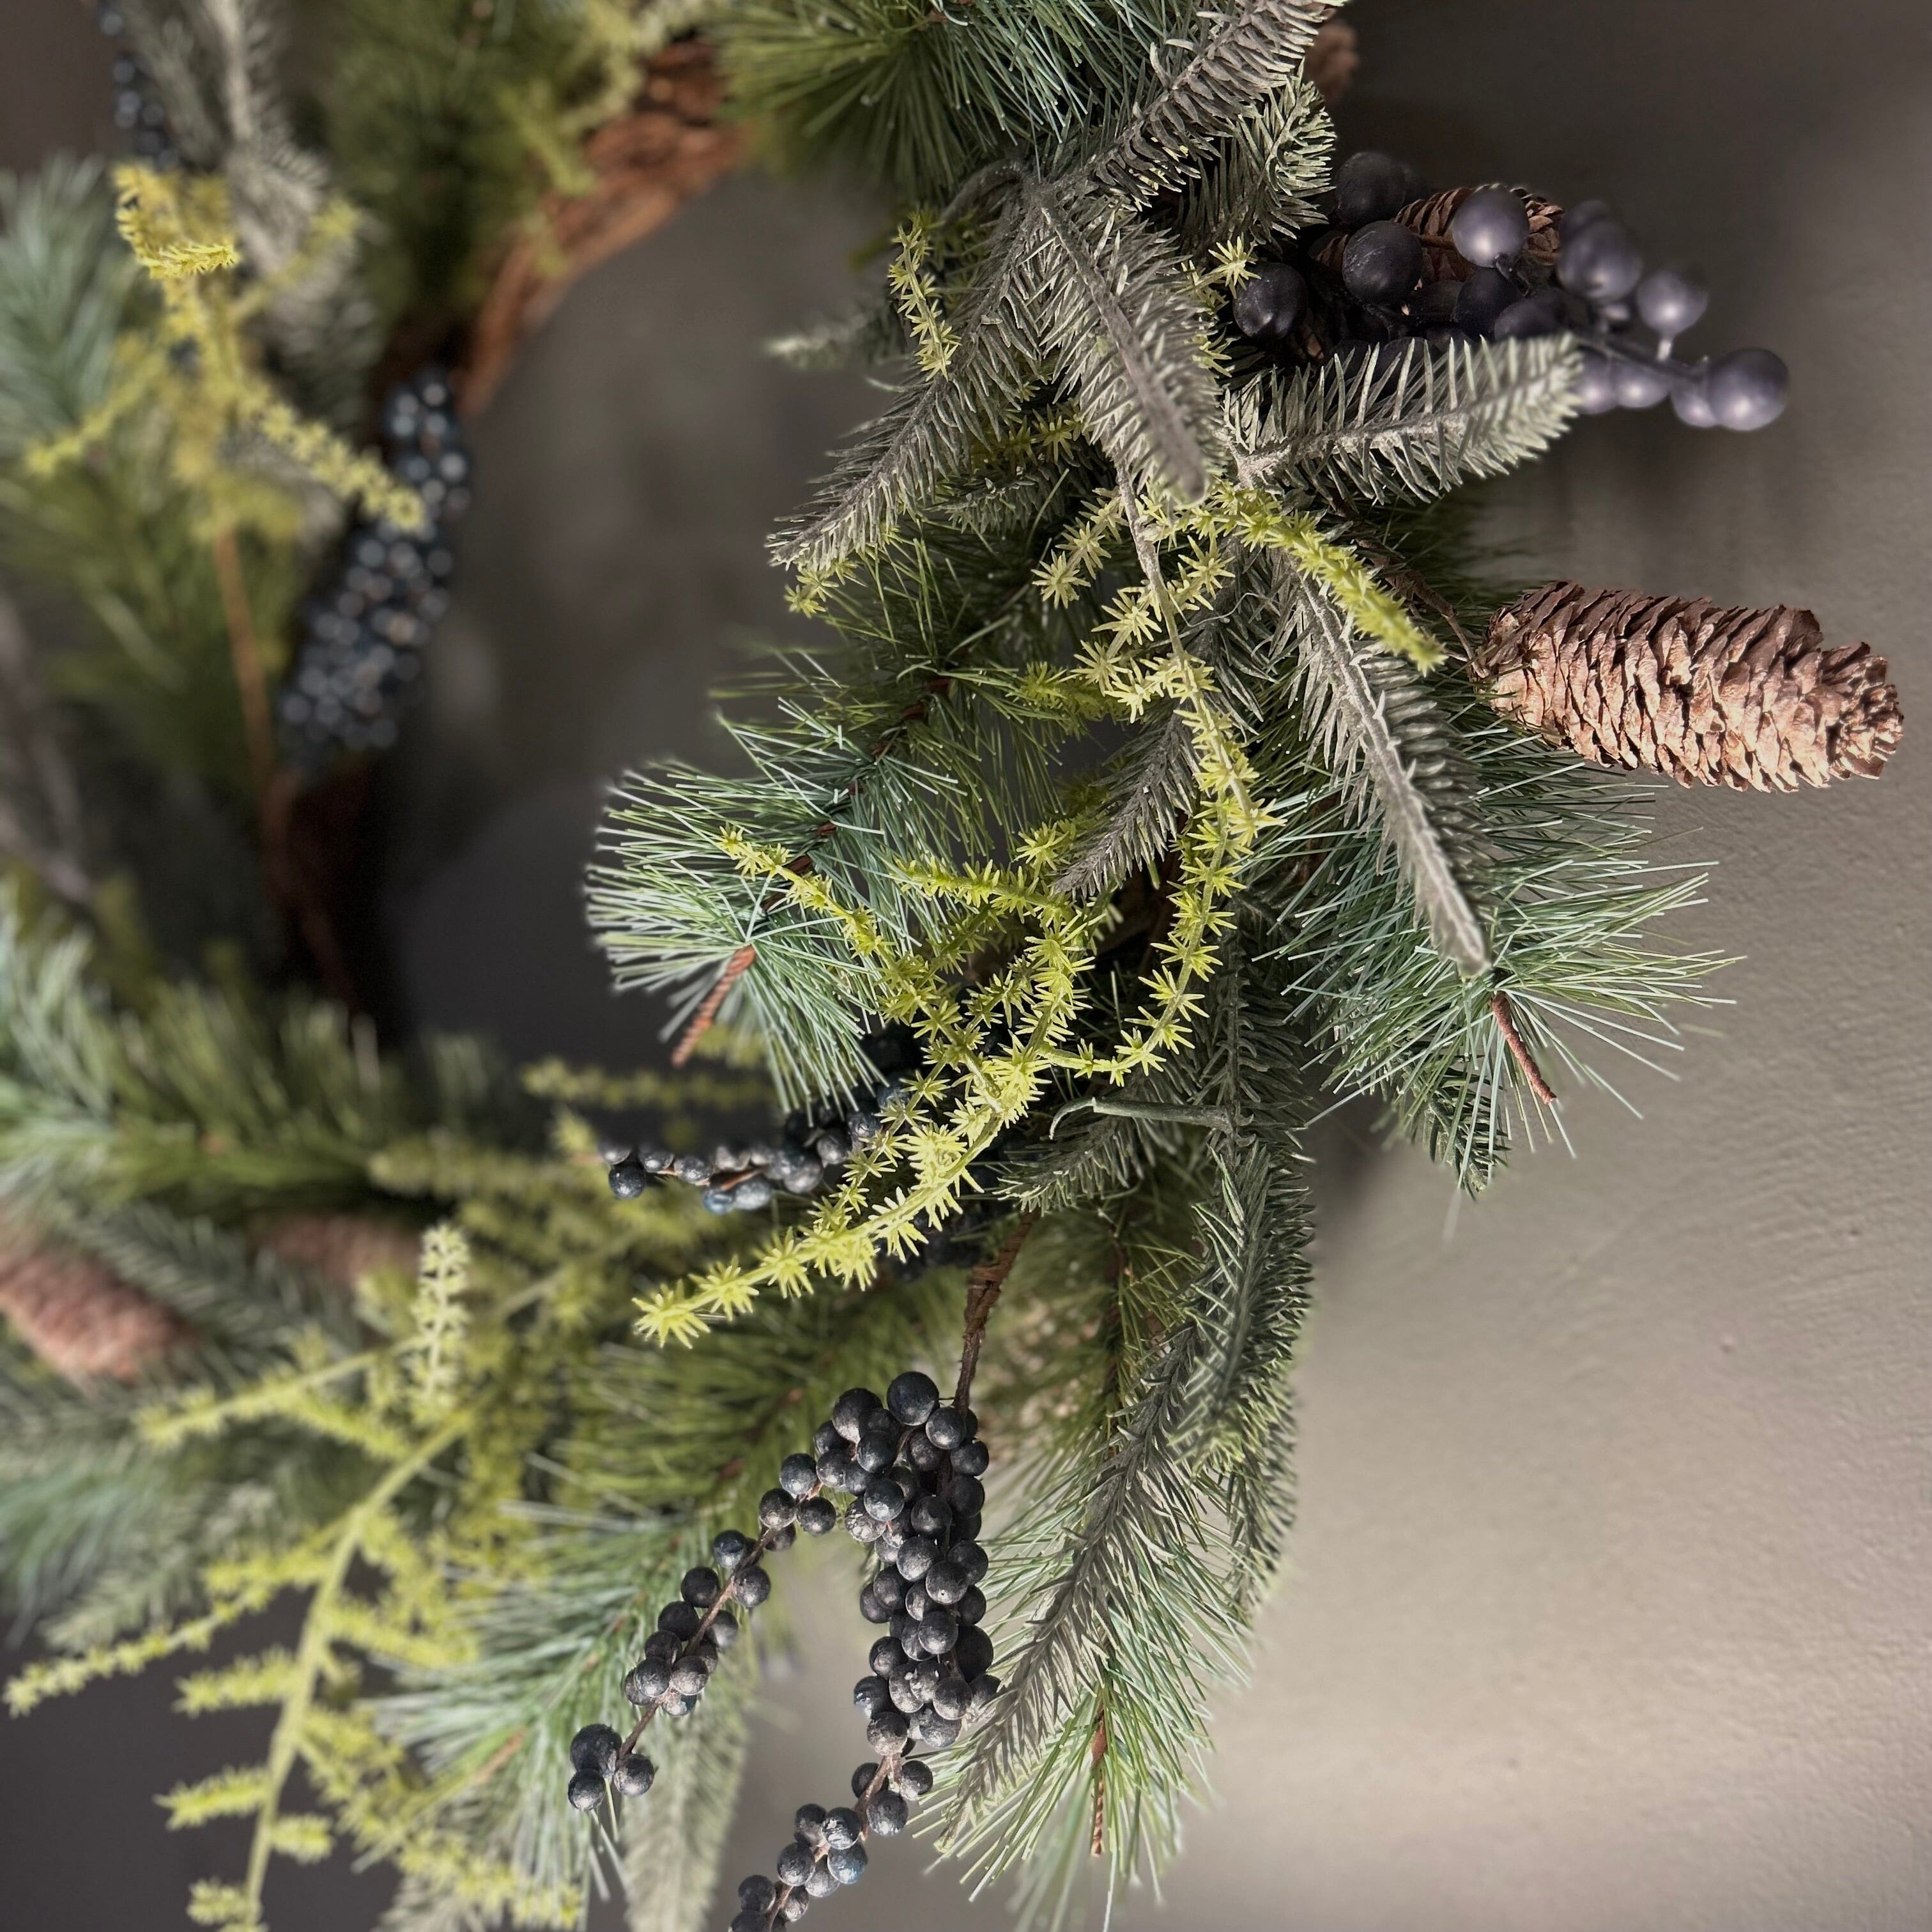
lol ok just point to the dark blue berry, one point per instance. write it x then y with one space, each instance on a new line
914 1776
883 1656
819 1881
723 1630
846 1863
1269 304
973 1653
596 1748
646 1682
930 1728
886 1813
756 1893
947 1582
680 1620
798 1476
972 1606
633 1775
699 1586
944 1428
1382 262
776 1510
871 1695
751 1586
795 1863
816 1515
587 1791
917 1557
729 1548
886 1732
861 1779
629 1179
852 1412
842 1828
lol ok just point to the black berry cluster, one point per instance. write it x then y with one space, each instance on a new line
138 111
1362 282
909 1467
694 1630
811 1145
360 657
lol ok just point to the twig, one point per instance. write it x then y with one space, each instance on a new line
982 1290
244 653
1097 1754
1505 1018
701 1021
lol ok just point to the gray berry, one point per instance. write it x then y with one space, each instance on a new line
729 1548
751 1586
842 1828
1595 388
1670 301
587 1791
795 1863
914 1777
1601 262
798 1476
1748 389
808 1822
1538 314
1491 225
756 1893
947 1582
689 1677
1479 301
776 1510
917 1557
1370 186
816 1515
1690 397
819 1883
1638 386
846 1863
932 1730
1582 215
861 1525
725 1629
1269 304
1382 262
633 1775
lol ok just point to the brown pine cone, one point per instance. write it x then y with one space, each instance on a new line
1430 216
1750 698
1332 59
340 1248
79 1317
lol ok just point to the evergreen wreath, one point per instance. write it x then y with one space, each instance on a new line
1167 770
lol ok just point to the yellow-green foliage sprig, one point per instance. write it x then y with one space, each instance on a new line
199 372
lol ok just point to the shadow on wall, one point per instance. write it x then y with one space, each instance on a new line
613 572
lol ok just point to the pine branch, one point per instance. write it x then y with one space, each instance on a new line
1124 324
929 432
1411 419
1262 185
1384 742
1250 52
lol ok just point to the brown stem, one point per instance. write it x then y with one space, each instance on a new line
1505 1018
982 1290
244 653
701 1021
1097 1754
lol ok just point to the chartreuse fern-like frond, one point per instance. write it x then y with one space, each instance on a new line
199 370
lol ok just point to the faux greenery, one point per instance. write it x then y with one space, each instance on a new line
1135 768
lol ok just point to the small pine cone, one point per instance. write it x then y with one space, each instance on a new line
81 1318
1440 260
1332 59
1750 698
340 1248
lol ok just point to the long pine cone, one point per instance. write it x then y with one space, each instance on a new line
1751 698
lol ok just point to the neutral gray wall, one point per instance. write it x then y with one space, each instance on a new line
1607 1606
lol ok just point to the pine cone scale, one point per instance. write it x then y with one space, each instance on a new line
1749 697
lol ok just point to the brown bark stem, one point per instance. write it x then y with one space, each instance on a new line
982 1290
1096 1841
244 653
701 1021
1505 1018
